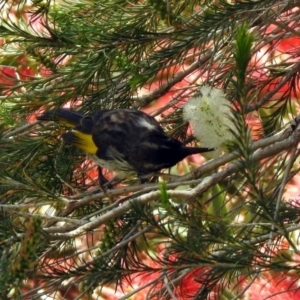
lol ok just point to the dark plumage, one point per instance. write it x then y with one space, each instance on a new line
123 140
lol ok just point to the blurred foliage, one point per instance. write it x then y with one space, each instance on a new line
61 235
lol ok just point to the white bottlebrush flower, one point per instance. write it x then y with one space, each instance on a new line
208 117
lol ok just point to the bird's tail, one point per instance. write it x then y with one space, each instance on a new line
62 115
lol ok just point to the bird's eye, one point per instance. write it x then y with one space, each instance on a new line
87 123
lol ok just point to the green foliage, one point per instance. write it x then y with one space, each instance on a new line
19 252
224 221
242 55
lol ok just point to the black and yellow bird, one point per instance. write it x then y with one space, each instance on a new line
125 141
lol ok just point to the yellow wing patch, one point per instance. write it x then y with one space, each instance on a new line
81 140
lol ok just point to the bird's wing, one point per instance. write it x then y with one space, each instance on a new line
135 138
122 129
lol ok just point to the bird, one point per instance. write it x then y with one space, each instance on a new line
126 141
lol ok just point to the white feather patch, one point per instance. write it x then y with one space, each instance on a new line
116 163
144 123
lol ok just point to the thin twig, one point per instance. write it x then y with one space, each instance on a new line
165 87
19 130
274 91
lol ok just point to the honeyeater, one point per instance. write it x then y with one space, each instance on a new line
125 141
